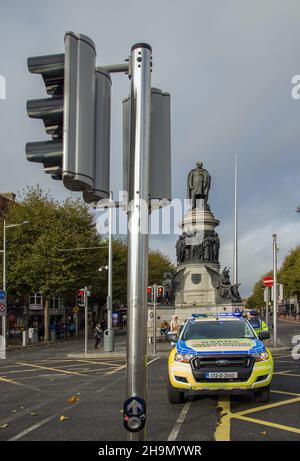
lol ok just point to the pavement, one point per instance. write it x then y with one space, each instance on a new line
48 395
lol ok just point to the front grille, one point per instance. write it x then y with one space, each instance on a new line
242 364
222 362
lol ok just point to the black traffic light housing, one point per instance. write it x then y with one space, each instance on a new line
150 296
77 117
81 297
50 110
160 294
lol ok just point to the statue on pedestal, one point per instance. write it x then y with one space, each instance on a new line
198 184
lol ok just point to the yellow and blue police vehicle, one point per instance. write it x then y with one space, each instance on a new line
219 354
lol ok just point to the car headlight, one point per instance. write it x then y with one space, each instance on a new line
184 358
261 357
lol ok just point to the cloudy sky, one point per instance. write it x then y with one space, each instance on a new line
228 65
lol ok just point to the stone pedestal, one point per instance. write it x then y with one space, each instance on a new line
196 286
198 280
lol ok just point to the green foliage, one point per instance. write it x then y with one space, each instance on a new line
34 257
159 264
257 298
288 275
35 261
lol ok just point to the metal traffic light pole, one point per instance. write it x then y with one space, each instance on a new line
109 333
138 240
154 317
86 328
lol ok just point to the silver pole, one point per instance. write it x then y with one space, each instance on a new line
275 289
85 321
235 252
4 287
109 334
138 240
154 317
76 326
267 306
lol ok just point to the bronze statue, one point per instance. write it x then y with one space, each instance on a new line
198 184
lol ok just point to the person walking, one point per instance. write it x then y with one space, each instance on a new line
98 335
174 324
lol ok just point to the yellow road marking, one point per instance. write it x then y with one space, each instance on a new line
52 369
99 363
222 432
268 423
285 392
281 372
6 380
115 370
12 381
267 407
280 356
287 373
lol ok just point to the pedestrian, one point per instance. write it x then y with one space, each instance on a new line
174 324
164 328
256 322
71 329
98 335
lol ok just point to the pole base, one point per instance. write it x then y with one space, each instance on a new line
109 341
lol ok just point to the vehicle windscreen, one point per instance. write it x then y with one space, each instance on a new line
218 329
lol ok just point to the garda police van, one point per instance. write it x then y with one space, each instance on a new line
219 354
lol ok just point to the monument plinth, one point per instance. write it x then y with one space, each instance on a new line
199 285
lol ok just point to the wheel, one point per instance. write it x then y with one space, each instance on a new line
174 395
262 395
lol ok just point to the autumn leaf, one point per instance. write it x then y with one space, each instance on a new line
73 399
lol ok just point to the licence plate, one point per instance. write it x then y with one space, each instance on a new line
222 375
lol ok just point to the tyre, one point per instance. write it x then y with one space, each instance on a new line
262 395
174 395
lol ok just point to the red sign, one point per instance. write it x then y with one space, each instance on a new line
268 281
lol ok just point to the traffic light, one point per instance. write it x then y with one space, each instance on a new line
81 297
160 294
76 116
160 145
150 295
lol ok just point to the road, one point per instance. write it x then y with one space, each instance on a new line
36 386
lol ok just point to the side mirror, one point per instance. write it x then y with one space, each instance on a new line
264 335
171 336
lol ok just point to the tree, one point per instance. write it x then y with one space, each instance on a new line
257 298
36 260
289 273
35 257
159 264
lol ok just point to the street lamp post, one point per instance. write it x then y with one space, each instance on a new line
275 289
235 252
4 317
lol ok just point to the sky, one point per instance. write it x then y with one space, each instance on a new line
228 65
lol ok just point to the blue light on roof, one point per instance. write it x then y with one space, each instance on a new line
222 314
